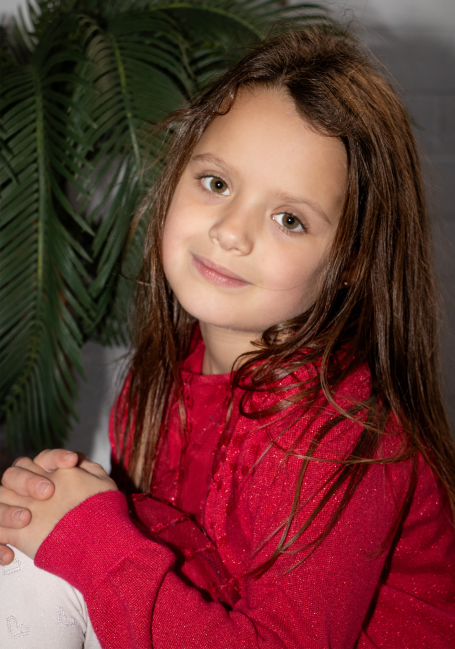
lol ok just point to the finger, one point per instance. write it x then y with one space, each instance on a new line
93 467
6 555
81 457
14 517
57 458
29 465
31 481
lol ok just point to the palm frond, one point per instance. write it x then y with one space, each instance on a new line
134 75
41 282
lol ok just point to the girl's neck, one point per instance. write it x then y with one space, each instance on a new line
223 347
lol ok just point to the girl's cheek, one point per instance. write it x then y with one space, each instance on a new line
169 252
286 272
297 282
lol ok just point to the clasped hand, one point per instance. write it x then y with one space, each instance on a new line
32 502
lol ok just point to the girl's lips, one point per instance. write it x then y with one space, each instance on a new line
216 274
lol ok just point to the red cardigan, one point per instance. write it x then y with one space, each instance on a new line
154 577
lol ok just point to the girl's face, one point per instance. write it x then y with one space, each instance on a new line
254 215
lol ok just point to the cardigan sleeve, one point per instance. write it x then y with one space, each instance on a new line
138 597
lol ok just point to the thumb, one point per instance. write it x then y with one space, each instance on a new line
57 458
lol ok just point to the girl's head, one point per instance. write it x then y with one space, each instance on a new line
297 174
259 200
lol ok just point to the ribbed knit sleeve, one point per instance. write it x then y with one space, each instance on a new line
98 550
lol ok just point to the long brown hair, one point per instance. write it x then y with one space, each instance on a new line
386 318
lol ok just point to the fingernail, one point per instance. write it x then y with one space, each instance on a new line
69 455
18 514
42 487
2 556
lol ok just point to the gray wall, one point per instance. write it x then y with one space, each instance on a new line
415 40
424 69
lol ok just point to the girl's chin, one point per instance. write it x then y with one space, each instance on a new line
216 317
238 313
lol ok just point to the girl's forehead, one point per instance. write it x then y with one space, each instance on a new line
266 120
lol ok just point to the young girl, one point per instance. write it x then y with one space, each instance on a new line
282 412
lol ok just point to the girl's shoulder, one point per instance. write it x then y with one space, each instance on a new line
333 421
301 389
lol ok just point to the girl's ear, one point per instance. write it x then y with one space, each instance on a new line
347 276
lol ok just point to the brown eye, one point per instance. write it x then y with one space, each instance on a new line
288 221
216 185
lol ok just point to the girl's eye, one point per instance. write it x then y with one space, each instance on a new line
216 185
288 221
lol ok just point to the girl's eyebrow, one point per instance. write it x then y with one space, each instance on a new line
212 159
288 198
282 197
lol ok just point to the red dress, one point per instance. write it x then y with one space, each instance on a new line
177 577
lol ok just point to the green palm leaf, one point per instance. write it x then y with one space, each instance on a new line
41 289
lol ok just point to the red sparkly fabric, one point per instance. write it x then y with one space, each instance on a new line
171 571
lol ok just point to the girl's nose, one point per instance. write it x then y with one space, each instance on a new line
234 229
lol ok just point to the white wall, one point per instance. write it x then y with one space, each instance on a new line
9 6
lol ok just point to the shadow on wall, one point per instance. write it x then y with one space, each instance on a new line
422 71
